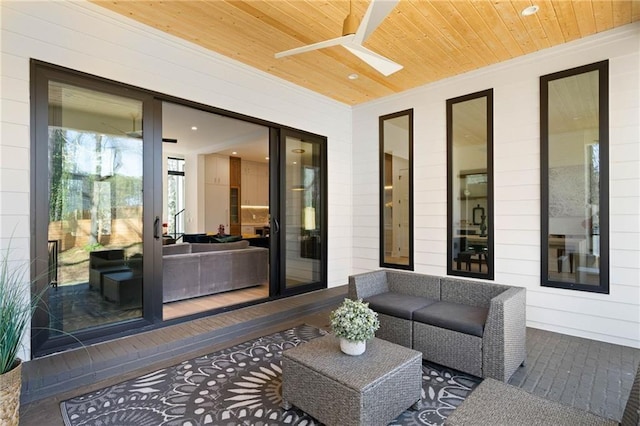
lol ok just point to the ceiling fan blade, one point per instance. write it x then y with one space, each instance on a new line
375 14
320 45
383 65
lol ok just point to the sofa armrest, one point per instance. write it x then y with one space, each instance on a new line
367 284
504 337
631 415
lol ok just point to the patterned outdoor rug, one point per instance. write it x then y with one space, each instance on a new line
239 386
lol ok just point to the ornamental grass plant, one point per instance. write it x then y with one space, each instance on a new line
15 316
15 311
354 320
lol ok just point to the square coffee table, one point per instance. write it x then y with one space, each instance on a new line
338 389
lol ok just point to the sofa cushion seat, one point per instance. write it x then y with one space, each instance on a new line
397 304
454 316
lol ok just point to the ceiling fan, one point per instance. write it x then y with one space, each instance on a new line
136 134
353 38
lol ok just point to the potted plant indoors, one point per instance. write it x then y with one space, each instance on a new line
15 317
354 323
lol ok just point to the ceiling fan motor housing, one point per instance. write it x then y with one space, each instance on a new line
350 25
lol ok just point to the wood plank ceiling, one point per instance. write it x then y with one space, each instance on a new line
432 39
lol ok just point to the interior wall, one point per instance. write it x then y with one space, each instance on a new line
82 36
614 317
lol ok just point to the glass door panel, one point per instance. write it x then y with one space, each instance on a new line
224 207
95 181
302 219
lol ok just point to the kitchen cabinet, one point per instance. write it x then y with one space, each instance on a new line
216 207
235 183
216 192
255 183
235 167
216 169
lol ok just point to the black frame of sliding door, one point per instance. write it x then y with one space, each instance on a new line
41 341
278 212
152 294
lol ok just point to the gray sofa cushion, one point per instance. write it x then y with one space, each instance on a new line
397 304
181 248
207 247
454 316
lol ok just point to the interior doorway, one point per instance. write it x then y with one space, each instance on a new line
216 228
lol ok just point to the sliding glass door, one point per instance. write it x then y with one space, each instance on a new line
89 243
301 220
123 181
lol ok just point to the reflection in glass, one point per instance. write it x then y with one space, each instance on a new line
303 212
95 208
396 199
574 178
469 139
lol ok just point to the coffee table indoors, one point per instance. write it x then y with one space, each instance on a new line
337 389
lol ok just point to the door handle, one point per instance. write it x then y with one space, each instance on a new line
276 226
156 228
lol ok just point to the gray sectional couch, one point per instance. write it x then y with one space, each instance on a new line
199 269
475 327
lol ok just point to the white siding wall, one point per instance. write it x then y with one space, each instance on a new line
614 317
85 37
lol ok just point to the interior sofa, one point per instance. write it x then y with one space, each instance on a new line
200 269
475 327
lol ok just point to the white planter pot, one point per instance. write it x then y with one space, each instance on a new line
352 348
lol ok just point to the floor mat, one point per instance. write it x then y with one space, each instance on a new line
240 385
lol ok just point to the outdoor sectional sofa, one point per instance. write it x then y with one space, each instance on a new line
200 269
475 327
497 403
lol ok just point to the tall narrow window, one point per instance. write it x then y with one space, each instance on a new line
396 190
574 178
470 187
175 196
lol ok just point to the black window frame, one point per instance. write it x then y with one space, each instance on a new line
381 120
490 258
603 105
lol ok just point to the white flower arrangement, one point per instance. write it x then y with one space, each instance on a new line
354 321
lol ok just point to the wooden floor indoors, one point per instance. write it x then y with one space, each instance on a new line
200 304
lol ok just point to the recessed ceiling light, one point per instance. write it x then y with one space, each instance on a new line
531 10
298 151
194 128
266 158
353 76
295 162
234 153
